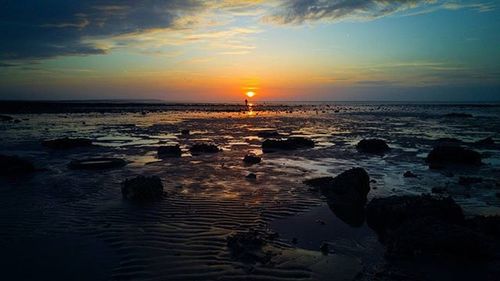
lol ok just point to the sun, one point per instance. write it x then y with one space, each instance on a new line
250 94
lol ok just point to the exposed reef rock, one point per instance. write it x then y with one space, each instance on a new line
142 188
67 143
292 143
372 146
448 153
14 165
169 151
251 159
204 148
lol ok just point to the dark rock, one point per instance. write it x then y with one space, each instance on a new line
251 176
409 174
351 186
458 115
6 118
469 180
291 143
295 240
488 225
185 132
247 246
433 237
372 146
485 142
497 194
169 151
424 225
452 154
352 214
204 148
251 159
318 183
142 188
14 165
268 134
384 215
97 164
67 143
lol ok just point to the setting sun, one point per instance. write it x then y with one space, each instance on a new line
250 94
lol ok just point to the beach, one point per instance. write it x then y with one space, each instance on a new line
59 223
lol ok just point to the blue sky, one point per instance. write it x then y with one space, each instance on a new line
283 50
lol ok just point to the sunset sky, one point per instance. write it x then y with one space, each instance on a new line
187 50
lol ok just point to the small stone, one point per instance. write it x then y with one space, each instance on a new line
409 174
204 148
251 176
325 249
372 146
169 151
251 159
67 143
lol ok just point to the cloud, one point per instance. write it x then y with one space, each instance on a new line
301 11
34 29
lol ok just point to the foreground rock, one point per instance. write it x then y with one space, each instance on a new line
489 141
292 143
251 159
67 143
204 148
247 246
97 164
410 226
14 166
448 153
372 146
351 186
169 151
142 188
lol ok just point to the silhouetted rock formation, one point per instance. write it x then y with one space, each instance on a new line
424 225
204 148
67 143
351 186
448 153
372 146
292 143
142 188
251 159
14 165
169 151
97 164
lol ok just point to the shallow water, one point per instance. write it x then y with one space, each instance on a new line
208 197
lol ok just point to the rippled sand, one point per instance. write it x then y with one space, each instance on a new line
61 224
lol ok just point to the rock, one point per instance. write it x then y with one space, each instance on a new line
386 214
247 246
488 225
292 143
67 143
372 146
14 166
443 154
469 180
458 115
497 194
409 174
268 134
424 225
6 118
318 183
97 164
251 176
185 132
169 151
251 159
352 214
142 188
485 142
204 148
351 186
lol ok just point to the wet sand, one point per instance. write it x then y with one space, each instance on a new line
79 225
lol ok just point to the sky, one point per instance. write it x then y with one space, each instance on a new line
283 50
